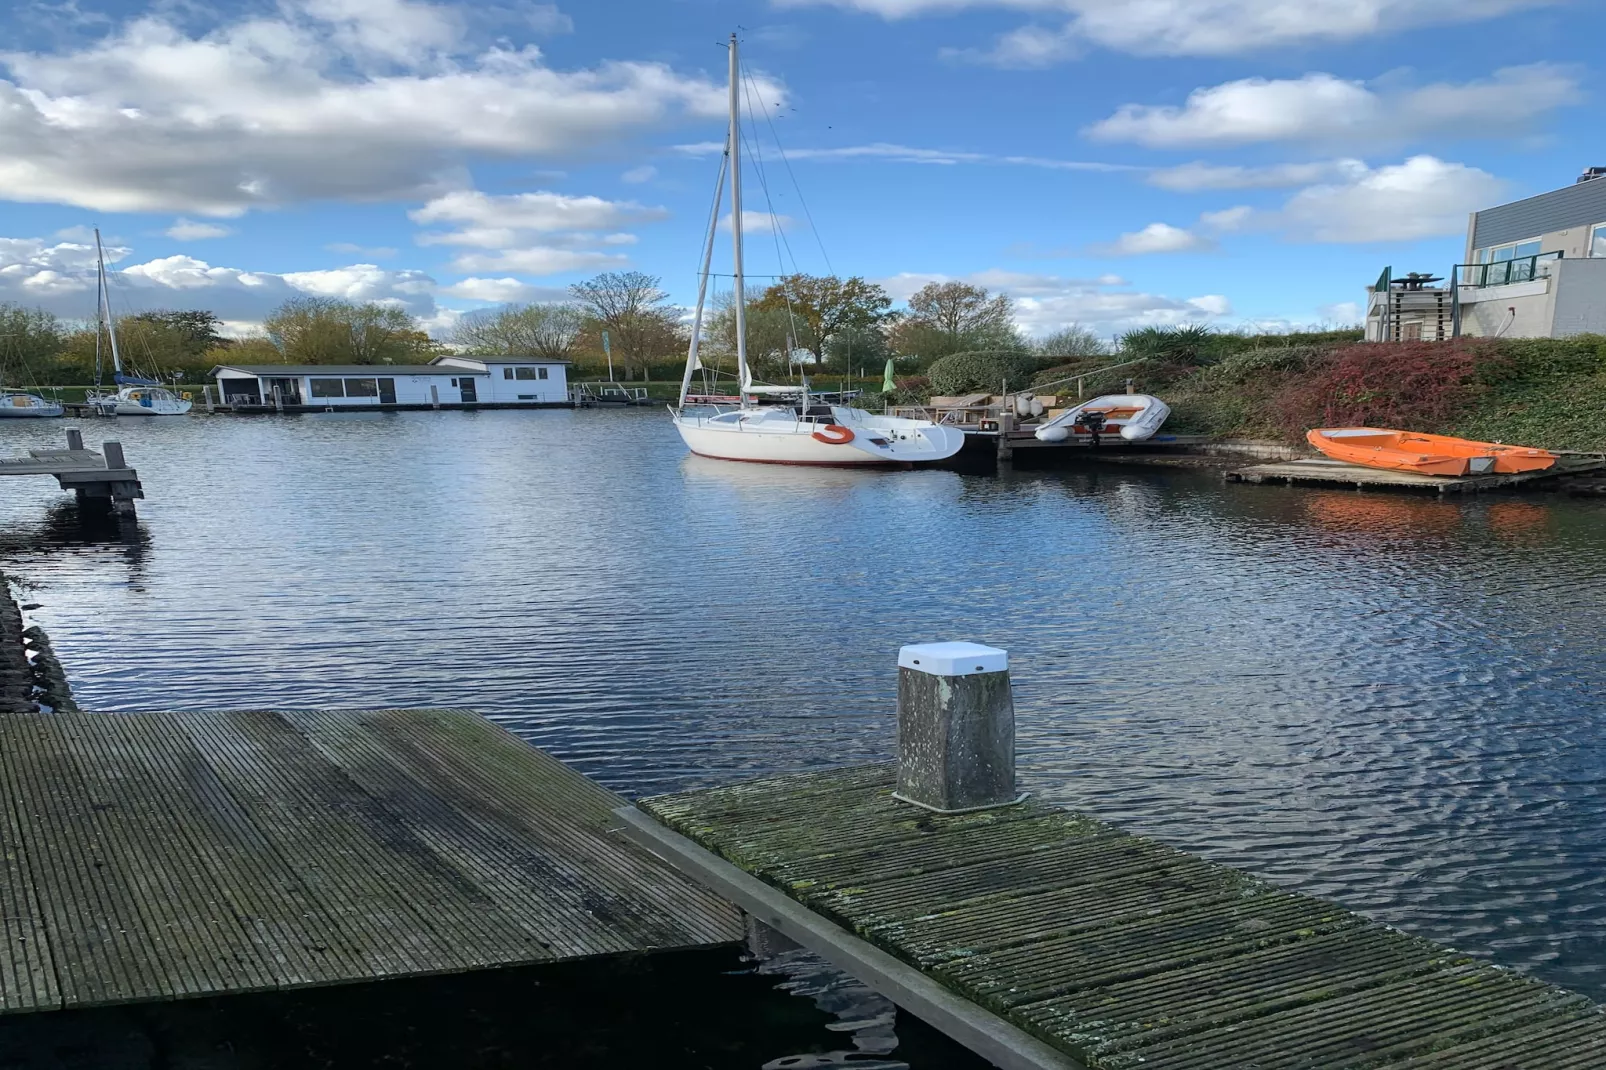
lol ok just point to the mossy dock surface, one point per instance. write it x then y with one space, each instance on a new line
166 855
1122 952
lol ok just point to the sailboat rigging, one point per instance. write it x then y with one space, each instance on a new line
783 424
135 396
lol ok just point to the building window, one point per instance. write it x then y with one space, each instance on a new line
328 388
542 372
362 388
507 373
1597 240
526 373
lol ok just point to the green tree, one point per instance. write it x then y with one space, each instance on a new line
29 336
857 347
195 331
548 331
325 330
822 306
955 317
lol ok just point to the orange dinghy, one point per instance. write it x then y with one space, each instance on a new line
1431 455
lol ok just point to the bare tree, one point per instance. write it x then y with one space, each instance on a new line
628 305
547 331
1073 341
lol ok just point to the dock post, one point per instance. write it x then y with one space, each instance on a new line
956 727
434 396
1006 451
75 439
206 396
113 452
278 401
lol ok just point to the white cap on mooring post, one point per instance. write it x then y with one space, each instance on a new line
956 727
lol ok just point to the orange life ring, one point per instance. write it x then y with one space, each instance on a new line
835 435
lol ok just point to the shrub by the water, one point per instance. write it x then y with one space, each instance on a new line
980 371
1415 385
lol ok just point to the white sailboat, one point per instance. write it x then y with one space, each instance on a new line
785 424
14 405
134 396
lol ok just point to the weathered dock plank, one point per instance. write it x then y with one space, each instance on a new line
1321 471
1118 951
169 855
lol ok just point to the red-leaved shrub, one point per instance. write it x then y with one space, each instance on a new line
1413 386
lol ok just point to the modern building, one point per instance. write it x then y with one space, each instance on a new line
446 382
515 381
1409 309
1536 268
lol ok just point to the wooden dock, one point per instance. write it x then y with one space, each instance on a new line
1103 949
1321 471
168 855
103 478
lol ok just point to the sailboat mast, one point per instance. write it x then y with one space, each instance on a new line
735 146
106 306
702 280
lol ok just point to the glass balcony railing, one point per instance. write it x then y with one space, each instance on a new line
1503 272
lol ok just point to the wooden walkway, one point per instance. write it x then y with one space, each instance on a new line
1121 952
1321 471
166 855
100 477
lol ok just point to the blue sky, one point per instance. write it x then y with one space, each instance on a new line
1238 162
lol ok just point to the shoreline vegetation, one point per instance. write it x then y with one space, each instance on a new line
952 338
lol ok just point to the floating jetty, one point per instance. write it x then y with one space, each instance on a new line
1321 471
161 856
104 478
1045 938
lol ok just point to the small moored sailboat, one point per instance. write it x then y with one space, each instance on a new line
785 424
1433 455
1134 417
15 405
135 396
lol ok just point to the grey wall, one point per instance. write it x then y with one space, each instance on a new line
1580 297
1577 205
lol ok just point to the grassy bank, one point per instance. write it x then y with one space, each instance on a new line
1539 392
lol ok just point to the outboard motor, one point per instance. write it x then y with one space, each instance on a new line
1093 420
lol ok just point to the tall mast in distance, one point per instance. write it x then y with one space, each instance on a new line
106 305
743 376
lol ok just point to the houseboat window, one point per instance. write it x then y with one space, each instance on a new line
362 388
507 373
328 388
526 373
1597 240
541 372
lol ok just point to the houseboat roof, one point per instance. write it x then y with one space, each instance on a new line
502 358
275 371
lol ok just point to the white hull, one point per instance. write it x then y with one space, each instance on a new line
767 436
156 408
1141 424
140 401
27 406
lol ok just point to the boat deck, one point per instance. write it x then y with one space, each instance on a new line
1113 950
160 856
1321 471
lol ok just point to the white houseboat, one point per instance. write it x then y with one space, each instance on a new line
446 382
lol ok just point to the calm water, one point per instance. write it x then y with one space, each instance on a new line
1394 702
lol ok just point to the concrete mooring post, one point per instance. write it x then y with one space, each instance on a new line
956 727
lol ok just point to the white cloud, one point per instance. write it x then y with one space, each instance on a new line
60 277
1424 197
1155 238
894 153
189 230
1344 312
758 222
538 260
1191 177
538 233
1228 219
644 173
322 99
504 291
1322 107
1191 27
374 252
1047 303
